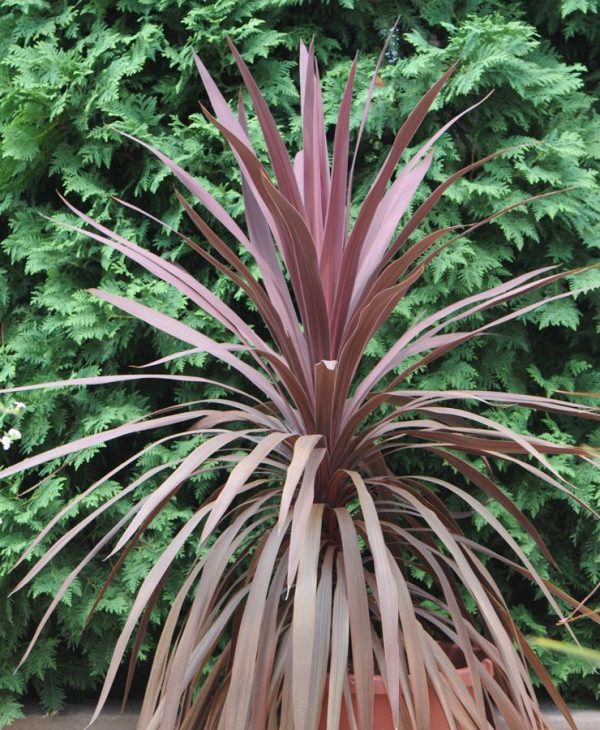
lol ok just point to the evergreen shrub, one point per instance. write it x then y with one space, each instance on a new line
70 73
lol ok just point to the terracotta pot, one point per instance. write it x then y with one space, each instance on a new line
382 714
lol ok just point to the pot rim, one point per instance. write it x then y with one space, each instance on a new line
463 672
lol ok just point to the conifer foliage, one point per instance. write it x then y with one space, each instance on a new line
69 72
306 546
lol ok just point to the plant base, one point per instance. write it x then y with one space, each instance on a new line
382 714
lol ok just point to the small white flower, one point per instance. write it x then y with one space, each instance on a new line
6 442
18 406
14 434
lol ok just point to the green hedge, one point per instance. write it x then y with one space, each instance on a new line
71 74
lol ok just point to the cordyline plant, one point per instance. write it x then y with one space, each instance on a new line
309 548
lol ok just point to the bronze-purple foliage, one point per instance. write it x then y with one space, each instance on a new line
309 547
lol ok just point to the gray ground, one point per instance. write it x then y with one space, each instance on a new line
78 716
585 719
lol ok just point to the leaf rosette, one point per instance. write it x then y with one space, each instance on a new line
317 554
